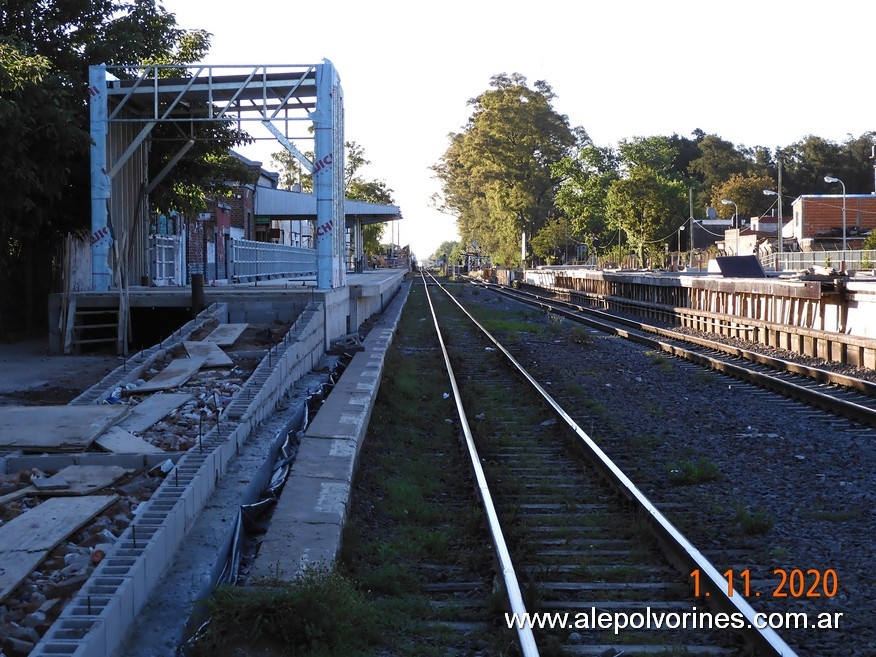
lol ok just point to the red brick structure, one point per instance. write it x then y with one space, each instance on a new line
818 220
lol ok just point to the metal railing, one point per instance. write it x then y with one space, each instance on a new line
250 260
800 260
166 260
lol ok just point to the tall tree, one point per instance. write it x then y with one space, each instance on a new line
746 192
44 186
581 193
647 207
496 173
719 159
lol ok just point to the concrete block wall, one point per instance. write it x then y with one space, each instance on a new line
98 618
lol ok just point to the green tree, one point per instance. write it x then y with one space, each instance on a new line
496 174
746 192
44 167
581 193
448 250
719 159
810 159
556 242
647 207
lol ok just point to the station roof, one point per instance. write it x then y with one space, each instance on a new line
285 204
209 93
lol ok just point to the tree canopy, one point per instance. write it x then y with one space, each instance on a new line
496 174
45 51
356 186
518 166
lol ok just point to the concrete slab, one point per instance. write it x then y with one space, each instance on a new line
312 500
55 428
119 441
81 479
152 409
326 458
177 372
211 351
288 550
25 540
226 335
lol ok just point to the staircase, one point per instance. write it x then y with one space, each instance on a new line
96 326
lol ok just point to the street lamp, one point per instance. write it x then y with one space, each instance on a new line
831 179
725 201
680 229
770 192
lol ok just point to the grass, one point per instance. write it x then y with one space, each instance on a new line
838 515
319 613
756 522
689 473
660 360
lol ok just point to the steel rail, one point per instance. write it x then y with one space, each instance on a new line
678 549
609 324
509 576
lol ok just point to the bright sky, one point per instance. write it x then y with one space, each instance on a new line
757 73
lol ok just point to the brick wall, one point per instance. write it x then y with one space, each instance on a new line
823 215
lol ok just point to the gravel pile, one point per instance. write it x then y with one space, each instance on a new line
792 487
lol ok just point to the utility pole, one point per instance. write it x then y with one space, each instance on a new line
781 223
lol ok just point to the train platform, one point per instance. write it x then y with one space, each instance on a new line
162 533
309 519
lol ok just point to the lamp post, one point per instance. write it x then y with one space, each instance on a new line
725 201
680 229
831 179
770 192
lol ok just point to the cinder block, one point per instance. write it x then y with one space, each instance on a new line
130 568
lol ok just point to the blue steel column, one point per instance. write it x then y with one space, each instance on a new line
338 178
323 177
101 239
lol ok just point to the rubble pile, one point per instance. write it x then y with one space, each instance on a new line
28 612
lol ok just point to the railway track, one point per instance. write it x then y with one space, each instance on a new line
843 395
575 536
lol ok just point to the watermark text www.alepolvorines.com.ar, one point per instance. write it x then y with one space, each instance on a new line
649 619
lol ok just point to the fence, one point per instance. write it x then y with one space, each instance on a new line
166 260
250 260
800 260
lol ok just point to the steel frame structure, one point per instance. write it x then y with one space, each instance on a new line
276 96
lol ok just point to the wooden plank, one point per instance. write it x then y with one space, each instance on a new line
55 428
209 350
27 539
226 335
177 372
119 441
152 409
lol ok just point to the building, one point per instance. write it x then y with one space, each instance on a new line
817 221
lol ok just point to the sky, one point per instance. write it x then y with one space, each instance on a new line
764 73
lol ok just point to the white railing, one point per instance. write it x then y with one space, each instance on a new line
166 260
250 260
800 260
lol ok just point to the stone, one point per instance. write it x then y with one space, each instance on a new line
16 647
25 633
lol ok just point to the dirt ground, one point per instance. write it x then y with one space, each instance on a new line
30 375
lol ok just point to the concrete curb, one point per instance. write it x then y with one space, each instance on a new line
308 522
